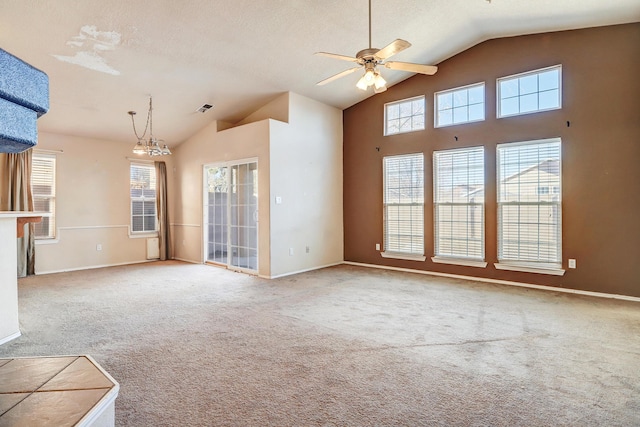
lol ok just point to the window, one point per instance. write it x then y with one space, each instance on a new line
529 203
530 92
143 197
404 116
404 206
461 105
43 188
458 203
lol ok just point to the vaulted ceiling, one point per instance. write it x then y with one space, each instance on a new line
106 57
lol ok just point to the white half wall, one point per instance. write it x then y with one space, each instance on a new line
306 188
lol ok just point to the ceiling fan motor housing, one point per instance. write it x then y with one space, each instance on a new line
367 54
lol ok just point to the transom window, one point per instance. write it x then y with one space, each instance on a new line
458 203
460 105
404 205
529 92
143 197
529 203
43 189
404 116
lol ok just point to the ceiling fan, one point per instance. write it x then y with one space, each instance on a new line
370 58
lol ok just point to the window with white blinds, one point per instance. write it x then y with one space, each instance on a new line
404 204
43 189
458 203
530 220
143 197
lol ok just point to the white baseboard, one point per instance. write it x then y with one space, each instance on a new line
302 271
500 282
10 338
91 267
190 261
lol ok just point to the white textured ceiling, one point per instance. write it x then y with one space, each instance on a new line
105 57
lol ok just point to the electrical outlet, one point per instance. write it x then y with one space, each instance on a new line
377 246
99 247
572 263
290 251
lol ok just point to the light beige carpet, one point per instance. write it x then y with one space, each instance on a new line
195 345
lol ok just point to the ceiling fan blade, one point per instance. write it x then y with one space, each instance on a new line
414 68
337 76
336 56
392 48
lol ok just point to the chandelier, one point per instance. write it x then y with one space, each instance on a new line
150 146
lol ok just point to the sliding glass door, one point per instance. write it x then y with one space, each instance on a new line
231 215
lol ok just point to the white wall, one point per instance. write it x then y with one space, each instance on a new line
206 147
300 161
306 173
92 205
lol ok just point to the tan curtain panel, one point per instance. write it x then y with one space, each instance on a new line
15 195
163 211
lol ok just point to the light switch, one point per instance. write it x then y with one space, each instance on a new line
278 200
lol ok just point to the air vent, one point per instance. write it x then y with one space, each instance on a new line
204 108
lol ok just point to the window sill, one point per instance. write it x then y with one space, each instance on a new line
48 241
142 235
400 255
459 261
551 269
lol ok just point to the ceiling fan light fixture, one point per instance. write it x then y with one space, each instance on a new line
362 83
379 81
369 76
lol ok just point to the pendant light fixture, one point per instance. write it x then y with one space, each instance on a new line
150 146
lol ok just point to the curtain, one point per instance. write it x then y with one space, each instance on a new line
15 195
163 211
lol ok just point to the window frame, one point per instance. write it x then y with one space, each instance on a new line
539 71
436 109
143 198
388 250
553 267
459 258
400 102
51 197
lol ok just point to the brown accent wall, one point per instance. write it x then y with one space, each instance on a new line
600 153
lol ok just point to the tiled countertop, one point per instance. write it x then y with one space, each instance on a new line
60 391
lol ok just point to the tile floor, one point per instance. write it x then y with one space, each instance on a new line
50 390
